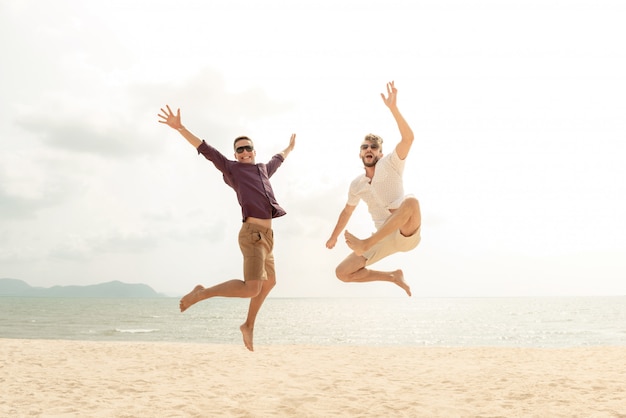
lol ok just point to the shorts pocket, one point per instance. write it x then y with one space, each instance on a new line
249 243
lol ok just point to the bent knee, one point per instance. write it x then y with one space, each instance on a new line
343 274
412 203
270 282
253 288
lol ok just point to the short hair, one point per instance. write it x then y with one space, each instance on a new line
374 138
242 138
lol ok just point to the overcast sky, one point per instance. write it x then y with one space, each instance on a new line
518 109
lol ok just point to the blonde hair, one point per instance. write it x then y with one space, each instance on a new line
374 138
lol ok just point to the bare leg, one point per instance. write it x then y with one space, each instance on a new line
407 218
247 328
230 288
352 269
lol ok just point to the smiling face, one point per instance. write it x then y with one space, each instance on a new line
371 150
244 150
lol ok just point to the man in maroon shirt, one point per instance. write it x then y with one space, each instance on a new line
258 207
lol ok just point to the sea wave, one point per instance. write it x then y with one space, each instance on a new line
137 331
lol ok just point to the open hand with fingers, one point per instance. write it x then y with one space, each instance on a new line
392 93
170 119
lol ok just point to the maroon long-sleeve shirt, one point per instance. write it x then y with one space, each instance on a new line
251 182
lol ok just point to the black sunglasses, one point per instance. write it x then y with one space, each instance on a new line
248 148
366 146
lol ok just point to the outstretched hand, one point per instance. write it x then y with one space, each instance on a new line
292 144
392 94
170 119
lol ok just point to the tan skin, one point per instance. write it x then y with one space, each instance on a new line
407 218
256 290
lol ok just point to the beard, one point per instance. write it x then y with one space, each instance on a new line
371 163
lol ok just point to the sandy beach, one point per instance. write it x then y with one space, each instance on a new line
51 378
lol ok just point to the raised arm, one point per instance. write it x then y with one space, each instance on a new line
406 133
173 121
292 144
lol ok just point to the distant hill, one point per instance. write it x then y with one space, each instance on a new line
114 289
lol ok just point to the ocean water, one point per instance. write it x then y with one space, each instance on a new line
445 322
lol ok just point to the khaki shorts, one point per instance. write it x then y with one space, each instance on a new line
393 243
257 244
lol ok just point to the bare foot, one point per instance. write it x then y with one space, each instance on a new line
398 278
190 298
355 244
246 332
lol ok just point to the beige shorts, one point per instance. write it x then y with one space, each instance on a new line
393 243
257 244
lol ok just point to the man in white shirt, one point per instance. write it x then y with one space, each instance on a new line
396 216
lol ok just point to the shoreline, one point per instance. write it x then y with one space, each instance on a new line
121 378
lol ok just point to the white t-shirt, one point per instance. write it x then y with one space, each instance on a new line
384 192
